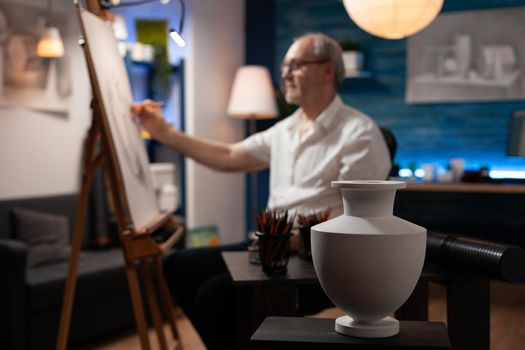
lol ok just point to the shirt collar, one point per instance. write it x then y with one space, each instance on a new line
325 119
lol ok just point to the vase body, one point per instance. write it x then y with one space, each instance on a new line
367 260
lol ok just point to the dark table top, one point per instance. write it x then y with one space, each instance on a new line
300 271
317 331
244 273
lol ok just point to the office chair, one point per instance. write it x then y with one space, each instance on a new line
390 141
391 144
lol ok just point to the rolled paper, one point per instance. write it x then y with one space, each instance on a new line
491 259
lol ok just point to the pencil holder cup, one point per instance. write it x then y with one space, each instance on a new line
306 221
274 251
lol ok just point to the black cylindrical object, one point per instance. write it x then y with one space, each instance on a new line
496 260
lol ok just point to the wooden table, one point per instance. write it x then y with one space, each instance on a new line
261 295
318 333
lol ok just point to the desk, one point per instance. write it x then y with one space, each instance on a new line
318 333
261 295
494 212
464 187
468 306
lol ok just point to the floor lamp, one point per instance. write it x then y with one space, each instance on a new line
252 97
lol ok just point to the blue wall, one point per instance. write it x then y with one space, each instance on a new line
431 133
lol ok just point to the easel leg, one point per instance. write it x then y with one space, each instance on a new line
166 299
71 281
152 302
90 163
138 309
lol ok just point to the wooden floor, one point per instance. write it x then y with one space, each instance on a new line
130 341
507 328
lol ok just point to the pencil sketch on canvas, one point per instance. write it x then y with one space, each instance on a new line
112 81
27 80
468 56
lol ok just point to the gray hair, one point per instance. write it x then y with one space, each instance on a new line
329 49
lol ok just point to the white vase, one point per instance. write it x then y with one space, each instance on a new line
367 260
353 62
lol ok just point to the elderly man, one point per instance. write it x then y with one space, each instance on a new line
323 140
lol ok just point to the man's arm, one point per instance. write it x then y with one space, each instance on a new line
217 155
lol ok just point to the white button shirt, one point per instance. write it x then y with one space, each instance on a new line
343 144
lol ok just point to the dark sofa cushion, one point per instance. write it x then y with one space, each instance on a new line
99 273
60 205
47 235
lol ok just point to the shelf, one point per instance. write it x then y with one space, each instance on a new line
358 75
465 187
149 65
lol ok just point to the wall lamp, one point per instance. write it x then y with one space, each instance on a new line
50 44
175 34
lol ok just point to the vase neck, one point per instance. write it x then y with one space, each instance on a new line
368 203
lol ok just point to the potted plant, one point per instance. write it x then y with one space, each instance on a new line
353 57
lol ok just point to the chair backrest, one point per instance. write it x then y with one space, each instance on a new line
390 141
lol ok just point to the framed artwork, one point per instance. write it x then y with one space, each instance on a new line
112 88
27 80
516 144
468 56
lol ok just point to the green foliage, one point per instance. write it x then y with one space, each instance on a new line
161 74
347 44
155 33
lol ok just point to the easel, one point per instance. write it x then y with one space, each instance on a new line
138 246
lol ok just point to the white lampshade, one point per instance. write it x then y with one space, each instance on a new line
252 94
392 19
50 44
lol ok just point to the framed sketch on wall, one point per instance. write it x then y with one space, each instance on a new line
113 93
27 80
468 56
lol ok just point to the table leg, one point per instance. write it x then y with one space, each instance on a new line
257 303
468 314
244 313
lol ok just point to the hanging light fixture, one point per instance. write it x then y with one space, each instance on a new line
392 19
50 44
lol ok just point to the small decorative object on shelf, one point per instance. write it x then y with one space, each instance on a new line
274 239
368 261
306 222
353 58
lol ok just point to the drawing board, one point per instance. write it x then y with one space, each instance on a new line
112 88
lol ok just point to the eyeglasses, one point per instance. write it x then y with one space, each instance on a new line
296 65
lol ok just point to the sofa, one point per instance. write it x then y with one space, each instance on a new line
31 296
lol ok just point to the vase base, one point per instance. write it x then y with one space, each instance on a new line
386 327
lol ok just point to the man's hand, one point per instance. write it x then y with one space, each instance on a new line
151 118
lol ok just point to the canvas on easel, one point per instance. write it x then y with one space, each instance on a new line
115 100
145 232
